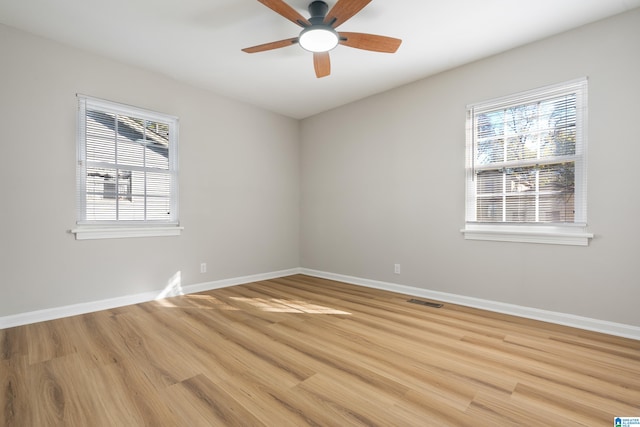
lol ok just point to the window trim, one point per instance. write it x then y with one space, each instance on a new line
85 229
87 232
547 233
566 234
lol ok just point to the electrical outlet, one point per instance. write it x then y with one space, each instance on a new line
203 267
396 268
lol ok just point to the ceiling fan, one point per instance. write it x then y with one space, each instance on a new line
319 33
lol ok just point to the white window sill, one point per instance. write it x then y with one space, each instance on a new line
548 234
118 232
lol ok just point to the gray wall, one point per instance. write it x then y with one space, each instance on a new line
383 182
351 191
239 183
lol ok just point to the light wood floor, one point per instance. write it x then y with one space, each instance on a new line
302 351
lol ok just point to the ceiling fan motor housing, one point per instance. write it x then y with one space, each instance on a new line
318 10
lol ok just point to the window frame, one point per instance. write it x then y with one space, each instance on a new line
567 233
104 229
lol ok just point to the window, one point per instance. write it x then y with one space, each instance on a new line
127 180
526 168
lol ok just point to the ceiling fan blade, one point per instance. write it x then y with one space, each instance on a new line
343 10
370 42
322 64
287 11
270 46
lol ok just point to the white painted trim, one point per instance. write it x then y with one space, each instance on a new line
611 328
586 323
106 304
555 235
224 283
118 232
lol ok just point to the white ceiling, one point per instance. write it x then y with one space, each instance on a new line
199 41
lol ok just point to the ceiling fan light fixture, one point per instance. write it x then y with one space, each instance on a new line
318 33
318 38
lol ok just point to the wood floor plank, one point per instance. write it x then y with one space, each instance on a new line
198 401
48 340
301 350
491 410
14 392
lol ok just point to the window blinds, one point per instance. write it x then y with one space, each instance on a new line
526 157
126 164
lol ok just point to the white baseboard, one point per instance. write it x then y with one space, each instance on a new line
224 283
88 307
611 328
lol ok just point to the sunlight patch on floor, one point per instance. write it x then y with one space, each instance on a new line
287 306
208 302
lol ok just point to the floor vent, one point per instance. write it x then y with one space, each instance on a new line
427 303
